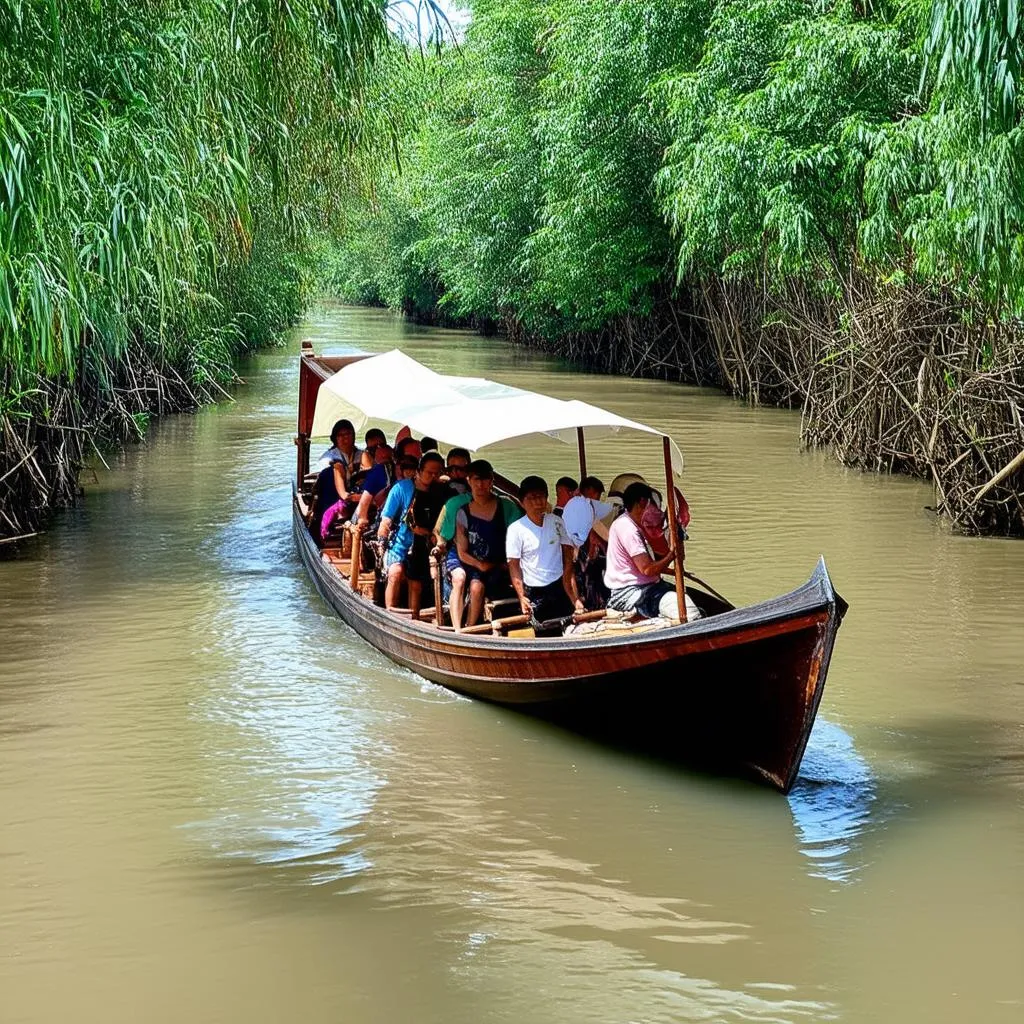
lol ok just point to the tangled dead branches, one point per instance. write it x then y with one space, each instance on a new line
50 427
670 343
901 380
894 379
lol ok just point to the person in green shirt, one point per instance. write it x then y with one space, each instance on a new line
446 530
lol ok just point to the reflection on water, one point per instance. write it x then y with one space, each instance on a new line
220 804
832 803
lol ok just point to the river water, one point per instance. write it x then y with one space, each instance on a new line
218 804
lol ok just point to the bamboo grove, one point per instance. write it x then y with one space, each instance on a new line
809 203
164 165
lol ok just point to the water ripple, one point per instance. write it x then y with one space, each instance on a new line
832 803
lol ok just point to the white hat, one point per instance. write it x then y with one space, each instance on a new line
579 516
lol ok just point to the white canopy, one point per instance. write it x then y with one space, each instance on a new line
470 412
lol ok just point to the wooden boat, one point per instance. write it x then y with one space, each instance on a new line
737 688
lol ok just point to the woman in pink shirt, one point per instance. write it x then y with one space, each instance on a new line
632 573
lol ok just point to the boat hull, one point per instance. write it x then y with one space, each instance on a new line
738 689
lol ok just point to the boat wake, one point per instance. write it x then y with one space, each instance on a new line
832 803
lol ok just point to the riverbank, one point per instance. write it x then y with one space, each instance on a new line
57 424
164 171
888 380
51 424
718 194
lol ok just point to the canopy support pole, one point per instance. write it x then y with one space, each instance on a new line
583 453
435 575
677 549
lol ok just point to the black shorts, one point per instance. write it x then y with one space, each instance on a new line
417 562
549 602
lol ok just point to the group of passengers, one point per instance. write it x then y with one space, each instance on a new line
554 560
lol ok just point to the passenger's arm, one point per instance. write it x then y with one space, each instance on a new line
439 525
569 577
652 566
462 546
516 575
340 480
362 516
440 547
394 508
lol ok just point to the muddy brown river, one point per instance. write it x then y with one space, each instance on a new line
217 804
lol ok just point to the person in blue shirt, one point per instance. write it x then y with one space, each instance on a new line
373 484
406 524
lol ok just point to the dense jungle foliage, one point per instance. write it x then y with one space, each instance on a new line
164 168
809 202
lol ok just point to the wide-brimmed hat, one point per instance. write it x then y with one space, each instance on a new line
621 482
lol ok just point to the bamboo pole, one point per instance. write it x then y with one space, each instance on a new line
357 555
435 573
677 562
583 453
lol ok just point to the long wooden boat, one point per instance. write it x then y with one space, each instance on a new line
737 689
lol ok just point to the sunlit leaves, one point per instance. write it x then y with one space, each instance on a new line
766 164
576 160
979 44
143 147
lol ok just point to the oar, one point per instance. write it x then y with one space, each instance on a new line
707 586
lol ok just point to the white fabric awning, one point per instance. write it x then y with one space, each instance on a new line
470 412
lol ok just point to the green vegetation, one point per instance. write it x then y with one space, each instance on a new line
807 202
164 165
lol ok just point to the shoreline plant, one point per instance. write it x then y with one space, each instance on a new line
812 203
166 168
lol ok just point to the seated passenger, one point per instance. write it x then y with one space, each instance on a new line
374 484
445 526
633 575
329 494
343 447
406 459
407 446
428 444
540 557
479 551
565 488
583 513
583 518
374 437
410 511
458 463
406 467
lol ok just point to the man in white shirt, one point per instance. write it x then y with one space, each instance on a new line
582 517
539 555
